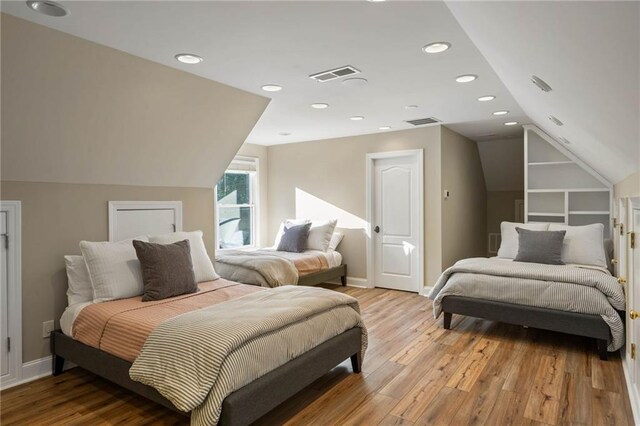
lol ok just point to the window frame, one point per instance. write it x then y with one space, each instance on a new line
254 205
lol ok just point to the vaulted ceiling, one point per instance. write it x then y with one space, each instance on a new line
588 53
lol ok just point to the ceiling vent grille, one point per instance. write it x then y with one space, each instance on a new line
542 85
335 73
423 121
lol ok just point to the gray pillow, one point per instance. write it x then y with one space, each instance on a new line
167 269
295 238
540 246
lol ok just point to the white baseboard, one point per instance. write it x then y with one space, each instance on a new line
353 282
34 370
634 398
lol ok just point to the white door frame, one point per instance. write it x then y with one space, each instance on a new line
14 290
418 154
627 271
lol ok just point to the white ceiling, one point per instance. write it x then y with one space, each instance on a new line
588 53
249 44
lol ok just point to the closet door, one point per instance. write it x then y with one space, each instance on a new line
4 305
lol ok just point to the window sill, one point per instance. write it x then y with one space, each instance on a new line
242 248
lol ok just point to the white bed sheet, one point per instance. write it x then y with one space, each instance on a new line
69 316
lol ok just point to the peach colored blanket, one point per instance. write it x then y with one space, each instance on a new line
121 327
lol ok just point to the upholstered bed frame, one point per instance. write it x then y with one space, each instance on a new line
243 406
339 272
547 319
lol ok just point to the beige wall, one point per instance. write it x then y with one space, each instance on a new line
328 178
629 187
83 124
503 163
261 153
501 206
56 217
78 112
464 212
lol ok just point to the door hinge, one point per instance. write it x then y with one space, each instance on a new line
632 240
633 351
615 222
8 344
622 229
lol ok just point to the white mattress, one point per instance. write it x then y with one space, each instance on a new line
69 316
334 258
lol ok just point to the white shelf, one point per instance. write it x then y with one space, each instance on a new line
546 214
571 190
590 212
550 163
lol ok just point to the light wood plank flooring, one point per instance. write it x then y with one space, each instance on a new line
414 372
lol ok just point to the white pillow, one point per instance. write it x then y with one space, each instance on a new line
336 238
319 235
509 244
202 266
114 269
80 290
583 245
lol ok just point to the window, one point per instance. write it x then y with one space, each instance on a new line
236 196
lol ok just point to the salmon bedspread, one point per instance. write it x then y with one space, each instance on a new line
121 327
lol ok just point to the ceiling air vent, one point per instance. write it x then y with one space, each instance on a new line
542 85
335 73
555 121
423 121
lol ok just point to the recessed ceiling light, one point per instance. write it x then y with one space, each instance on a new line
376 1
542 85
271 88
356 118
319 106
411 107
189 58
49 8
555 121
355 82
437 47
486 98
505 112
510 123
285 134
385 128
466 78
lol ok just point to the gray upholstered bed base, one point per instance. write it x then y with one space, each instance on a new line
547 319
243 406
324 276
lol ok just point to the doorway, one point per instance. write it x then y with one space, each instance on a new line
395 213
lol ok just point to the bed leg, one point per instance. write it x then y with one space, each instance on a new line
343 280
602 349
356 362
58 365
447 320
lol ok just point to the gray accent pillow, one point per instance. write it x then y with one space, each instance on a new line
540 246
295 238
167 269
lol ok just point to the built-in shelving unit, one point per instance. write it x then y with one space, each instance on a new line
559 187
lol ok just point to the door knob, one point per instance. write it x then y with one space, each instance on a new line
633 314
376 229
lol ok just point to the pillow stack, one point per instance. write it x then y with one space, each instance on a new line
553 243
155 267
321 236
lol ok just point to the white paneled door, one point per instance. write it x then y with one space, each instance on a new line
633 268
396 222
4 306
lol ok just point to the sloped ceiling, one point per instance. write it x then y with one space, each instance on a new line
588 52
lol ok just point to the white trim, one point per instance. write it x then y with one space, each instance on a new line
371 157
634 398
353 282
36 369
115 206
14 290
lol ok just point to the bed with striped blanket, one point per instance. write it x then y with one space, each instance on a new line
567 288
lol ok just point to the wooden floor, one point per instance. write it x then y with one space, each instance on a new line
414 372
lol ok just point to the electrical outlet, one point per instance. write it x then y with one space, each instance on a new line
47 328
